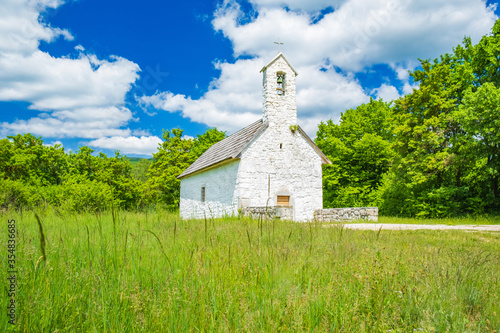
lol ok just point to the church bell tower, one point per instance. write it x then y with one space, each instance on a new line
279 97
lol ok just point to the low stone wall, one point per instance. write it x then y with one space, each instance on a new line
346 214
280 212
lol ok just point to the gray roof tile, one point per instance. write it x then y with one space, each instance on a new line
226 149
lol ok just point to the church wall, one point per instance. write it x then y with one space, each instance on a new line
279 110
294 169
219 186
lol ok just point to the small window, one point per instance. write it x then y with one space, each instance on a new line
281 146
283 200
280 83
203 194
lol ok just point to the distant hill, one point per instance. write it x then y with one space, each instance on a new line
140 167
135 160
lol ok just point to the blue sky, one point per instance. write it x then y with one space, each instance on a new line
112 74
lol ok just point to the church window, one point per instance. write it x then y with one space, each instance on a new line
203 194
281 146
283 200
280 83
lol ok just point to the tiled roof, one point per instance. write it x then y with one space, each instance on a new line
227 149
311 142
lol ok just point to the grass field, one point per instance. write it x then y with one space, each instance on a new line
152 272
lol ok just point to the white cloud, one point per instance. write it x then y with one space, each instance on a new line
356 35
53 144
82 123
233 101
20 28
235 98
144 145
386 92
81 97
359 33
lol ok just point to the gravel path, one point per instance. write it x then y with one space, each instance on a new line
376 226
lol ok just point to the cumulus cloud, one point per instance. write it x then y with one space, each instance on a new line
359 33
233 100
386 92
144 145
80 97
82 123
326 52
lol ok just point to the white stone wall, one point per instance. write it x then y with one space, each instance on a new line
294 169
219 183
346 214
279 109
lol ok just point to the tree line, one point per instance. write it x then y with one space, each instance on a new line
432 153
34 174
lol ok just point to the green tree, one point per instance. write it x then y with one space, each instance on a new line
172 158
204 141
359 148
27 159
443 160
174 155
480 115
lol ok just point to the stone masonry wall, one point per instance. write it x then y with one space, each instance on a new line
280 212
346 214
219 183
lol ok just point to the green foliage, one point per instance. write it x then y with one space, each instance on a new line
174 155
34 174
204 141
480 115
24 158
435 153
360 151
140 168
172 158
446 136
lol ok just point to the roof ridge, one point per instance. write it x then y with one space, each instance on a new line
226 149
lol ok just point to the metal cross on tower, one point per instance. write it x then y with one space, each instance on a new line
278 42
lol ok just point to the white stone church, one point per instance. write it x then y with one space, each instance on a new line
271 162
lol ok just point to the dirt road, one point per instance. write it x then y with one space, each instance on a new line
376 226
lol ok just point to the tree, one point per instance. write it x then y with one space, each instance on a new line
174 155
204 141
442 159
27 159
172 158
480 114
359 148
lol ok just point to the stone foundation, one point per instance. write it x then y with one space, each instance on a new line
279 212
346 214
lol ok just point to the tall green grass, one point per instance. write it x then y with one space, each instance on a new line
152 272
